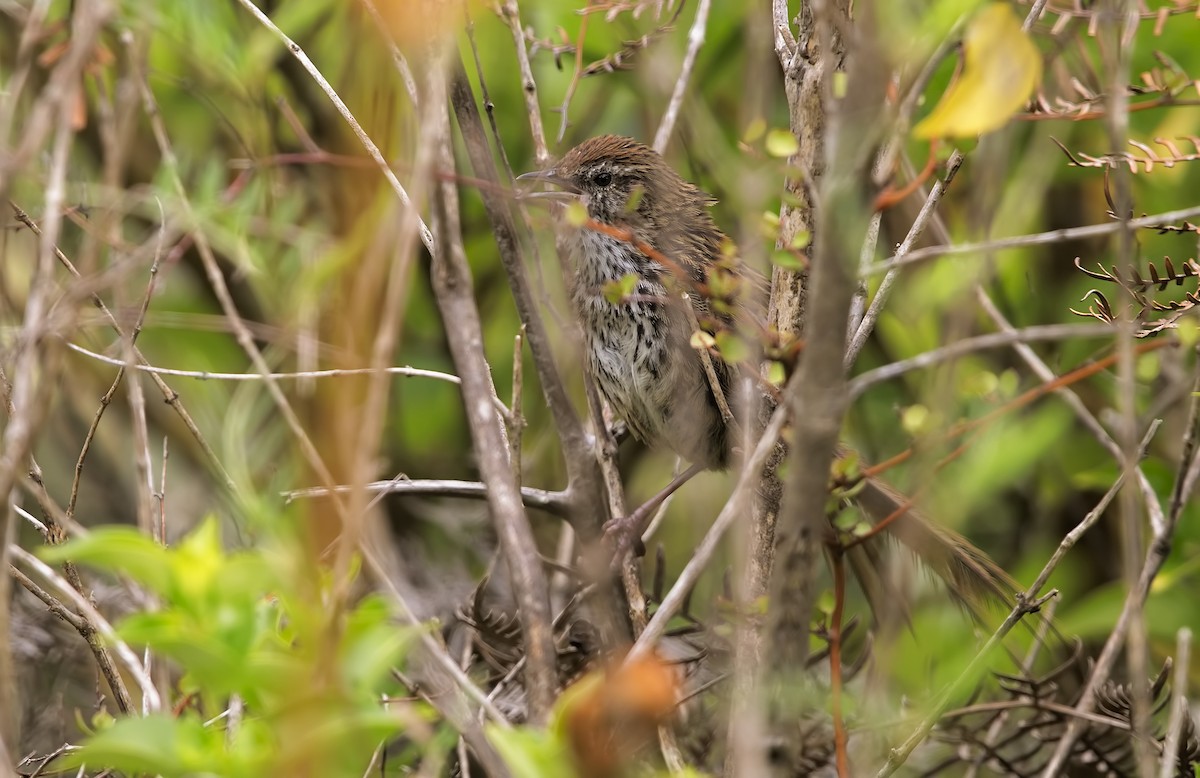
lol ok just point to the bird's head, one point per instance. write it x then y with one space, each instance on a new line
619 180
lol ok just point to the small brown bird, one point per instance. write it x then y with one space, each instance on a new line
651 238
638 348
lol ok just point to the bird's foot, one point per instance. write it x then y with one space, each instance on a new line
625 535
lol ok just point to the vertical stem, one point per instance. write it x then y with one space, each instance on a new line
1115 44
455 298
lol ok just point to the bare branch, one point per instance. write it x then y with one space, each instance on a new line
95 622
1036 239
453 290
556 503
695 41
960 348
1027 602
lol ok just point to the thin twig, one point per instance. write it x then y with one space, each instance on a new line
1116 53
208 375
331 93
437 651
710 372
1189 461
1043 372
1179 709
564 110
36 359
695 41
556 503
512 14
95 622
733 511
863 333
169 394
220 288
1156 555
1034 239
137 406
838 563
389 40
960 348
1027 602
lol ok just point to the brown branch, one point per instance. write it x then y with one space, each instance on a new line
581 468
818 399
453 292
585 484
838 563
36 356
96 627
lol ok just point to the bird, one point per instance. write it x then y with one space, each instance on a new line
648 251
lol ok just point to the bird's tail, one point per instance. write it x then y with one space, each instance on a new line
969 573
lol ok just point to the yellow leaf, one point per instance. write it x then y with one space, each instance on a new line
1002 68
782 143
915 419
755 130
576 214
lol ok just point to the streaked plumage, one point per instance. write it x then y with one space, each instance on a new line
639 347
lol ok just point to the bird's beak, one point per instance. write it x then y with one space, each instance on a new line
566 192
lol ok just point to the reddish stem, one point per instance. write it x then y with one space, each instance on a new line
835 660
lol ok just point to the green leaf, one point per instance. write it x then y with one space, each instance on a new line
157 744
701 339
1148 367
838 85
373 644
789 259
197 561
531 753
733 349
1188 332
916 419
617 291
769 224
754 131
635 198
118 549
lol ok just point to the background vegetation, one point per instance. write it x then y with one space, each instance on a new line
210 201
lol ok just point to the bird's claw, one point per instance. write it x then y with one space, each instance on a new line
625 533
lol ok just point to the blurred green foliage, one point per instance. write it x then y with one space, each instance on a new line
242 624
283 193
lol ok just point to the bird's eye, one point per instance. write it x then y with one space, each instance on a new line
603 178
